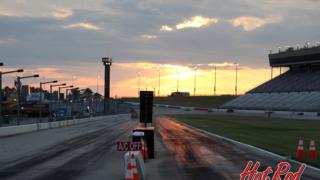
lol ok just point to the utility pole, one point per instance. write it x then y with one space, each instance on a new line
107 62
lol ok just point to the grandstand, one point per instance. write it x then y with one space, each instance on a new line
298 89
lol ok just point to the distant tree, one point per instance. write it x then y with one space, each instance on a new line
34 89
7 92
97 96
87 93
75 93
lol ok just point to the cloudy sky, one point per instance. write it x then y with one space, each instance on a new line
65 40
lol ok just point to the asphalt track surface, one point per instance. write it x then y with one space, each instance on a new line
74 158
202 156
87 151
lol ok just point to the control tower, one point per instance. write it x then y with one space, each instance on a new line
107 62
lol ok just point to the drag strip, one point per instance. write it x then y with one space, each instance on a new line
202 156
70 158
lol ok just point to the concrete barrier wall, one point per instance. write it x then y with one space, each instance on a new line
14 130
43 126
311 114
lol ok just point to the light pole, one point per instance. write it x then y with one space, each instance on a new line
178 78
40 100
1 93
67 90
146 82
73 78
107 62
51 96
19 93
215 80
1 64
63 87
236 84
139 74
52 86
98 78
159 77
195 81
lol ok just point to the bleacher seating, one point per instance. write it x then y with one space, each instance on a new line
297 90
293 101
292 81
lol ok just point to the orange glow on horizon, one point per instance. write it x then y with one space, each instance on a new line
124 78
182 77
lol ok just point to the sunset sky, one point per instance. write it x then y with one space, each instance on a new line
65 40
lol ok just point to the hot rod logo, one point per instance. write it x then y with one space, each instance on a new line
281 172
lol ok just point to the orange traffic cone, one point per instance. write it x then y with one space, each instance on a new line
300 149
144 149
129 172
312 150
132 171
134 167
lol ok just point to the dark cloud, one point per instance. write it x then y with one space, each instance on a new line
42 40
